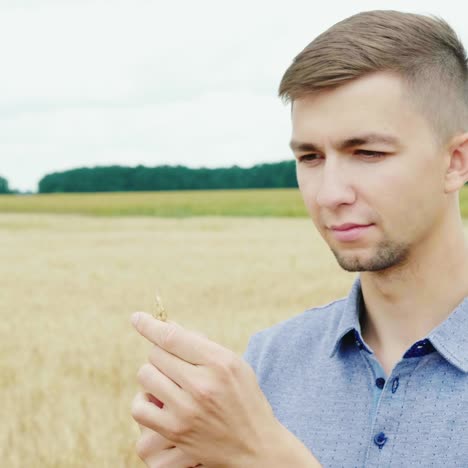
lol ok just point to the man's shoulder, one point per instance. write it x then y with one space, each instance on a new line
295 334
310 322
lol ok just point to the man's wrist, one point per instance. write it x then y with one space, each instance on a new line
290 451
279 449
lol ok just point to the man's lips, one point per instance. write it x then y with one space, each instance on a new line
345 227
351 233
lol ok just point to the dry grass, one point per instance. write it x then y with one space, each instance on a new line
68 353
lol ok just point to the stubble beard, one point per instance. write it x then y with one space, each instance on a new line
388 254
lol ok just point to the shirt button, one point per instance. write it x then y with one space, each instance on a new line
396 382
380 382
380 439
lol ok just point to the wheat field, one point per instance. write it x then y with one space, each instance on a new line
69 284
68 353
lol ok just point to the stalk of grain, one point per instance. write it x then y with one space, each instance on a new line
161 313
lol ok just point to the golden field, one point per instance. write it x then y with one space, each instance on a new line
69 284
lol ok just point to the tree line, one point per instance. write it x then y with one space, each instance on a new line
142 178
4 188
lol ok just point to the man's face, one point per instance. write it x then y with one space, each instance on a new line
401 193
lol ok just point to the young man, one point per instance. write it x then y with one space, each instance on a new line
379 131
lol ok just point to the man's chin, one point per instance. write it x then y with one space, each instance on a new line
351 262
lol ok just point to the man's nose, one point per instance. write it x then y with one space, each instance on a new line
334 185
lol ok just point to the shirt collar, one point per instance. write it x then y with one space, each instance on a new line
349 319
450 338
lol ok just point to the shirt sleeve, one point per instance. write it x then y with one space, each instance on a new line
251 354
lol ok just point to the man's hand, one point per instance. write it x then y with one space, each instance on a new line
156 451
212 407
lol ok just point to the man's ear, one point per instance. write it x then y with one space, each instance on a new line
457 163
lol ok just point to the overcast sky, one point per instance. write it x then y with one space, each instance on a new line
133 82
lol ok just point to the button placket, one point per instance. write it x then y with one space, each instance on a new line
380 382
380 440
385 424
395 384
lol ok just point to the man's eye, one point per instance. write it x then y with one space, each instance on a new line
307 157
372 154
368 154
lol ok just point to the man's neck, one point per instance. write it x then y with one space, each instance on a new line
402 307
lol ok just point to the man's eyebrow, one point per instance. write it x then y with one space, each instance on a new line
349 142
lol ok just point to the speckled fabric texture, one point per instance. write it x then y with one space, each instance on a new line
326 386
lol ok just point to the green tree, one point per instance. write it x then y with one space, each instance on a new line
4 185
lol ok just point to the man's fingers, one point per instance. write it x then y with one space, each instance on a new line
151 443
201 335
151 399
155 450
169 369
173 458
154 400
177 340
148 414
157 383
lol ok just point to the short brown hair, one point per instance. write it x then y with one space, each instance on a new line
423 50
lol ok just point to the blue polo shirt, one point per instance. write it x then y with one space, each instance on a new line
326 386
